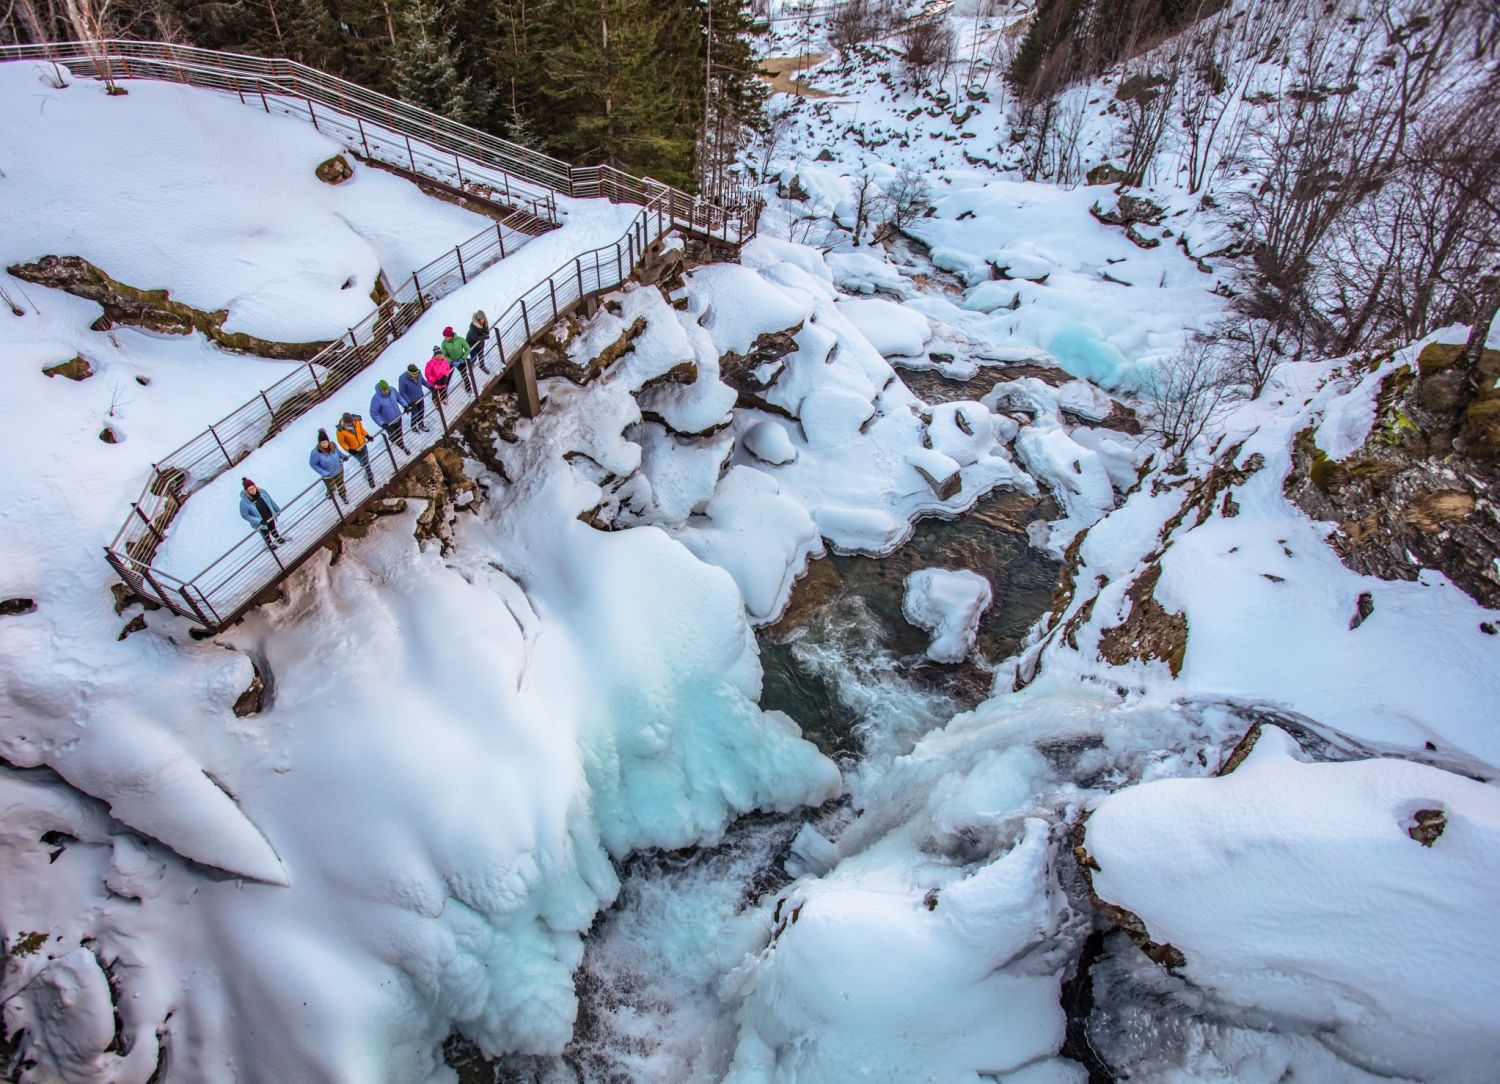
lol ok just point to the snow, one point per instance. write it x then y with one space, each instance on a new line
817 1002
184 209
463 742
1294 892
768 442
208 524
891 328
947 603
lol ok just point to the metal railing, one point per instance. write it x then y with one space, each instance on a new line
233 437
396 133
389 130
218 594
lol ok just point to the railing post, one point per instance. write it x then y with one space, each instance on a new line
220 443
438 399
459 167
409 153
269 409
312 114
417 286
353 342
552 290
263 102
362 138
161 592
464 275
578 266
147 521
526 320
619 268
316 382
193 606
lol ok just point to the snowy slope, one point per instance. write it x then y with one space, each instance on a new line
236 223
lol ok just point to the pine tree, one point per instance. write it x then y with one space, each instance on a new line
621 87
734 96
430 70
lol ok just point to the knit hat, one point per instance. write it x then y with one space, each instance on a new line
246 483
322 435
447 333
412 368
383 386
437 350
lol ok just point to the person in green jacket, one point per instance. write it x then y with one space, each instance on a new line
456 349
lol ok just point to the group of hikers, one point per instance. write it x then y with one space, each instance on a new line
390 408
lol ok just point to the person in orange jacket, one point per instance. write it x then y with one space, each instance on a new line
354 440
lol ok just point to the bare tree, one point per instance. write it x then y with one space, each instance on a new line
928 46
902 199
1186 395
1147 93
864 194
855 23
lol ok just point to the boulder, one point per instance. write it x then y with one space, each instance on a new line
336 170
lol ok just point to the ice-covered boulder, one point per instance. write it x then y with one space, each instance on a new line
891 328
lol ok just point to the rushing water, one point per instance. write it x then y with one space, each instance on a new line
847 666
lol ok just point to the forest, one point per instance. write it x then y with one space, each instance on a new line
659 87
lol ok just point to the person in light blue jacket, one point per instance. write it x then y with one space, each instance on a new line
386 407
260 510
327 459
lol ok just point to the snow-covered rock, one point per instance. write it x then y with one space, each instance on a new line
1308 896
947 603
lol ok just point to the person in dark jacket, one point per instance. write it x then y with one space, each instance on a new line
409 387
386 407
328 461
259 510
354 440
478 337
456 350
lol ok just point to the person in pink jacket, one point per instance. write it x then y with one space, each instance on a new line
437 372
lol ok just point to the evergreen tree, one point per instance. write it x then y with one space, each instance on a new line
734 95
620 84
430 69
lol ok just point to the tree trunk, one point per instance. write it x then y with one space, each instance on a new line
1484 316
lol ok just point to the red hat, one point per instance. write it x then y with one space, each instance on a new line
246 483
447 333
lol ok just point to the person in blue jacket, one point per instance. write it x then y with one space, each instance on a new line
411 390
386 407
258 509
327 459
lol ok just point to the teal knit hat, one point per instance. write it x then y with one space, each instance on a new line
382 386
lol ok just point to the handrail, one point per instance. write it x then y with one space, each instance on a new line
219 593
379 127
240 74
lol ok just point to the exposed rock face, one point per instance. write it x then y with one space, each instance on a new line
1427 825
1419 493
1107 173
1129 211
76 368
15 607
250 701
1128 921
1148 631
738 370
335 171
153 310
